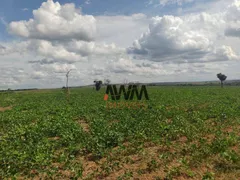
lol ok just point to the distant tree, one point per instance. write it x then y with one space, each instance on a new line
98 84
137 83
222 78
125 82
107 81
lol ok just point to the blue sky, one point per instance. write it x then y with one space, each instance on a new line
12 10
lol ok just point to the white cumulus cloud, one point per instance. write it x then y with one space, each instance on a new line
191 38
53 21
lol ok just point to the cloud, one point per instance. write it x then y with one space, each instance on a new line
38 75
170 2
93 48
12 75
233 30
3 21
233 19
164 48
191 38
223 53
88 2
53 21
57 52
120 30
2 49
54 75
53 67
124 65
233 12
71 52
25 9
43 61
97 71
152 70
14 47
178 2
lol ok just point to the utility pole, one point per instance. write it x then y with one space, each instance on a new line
67 84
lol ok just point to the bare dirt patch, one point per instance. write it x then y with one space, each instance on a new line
54 138
89 166
113 122
209 138
144 164
2 109
84 125
202 106
183 139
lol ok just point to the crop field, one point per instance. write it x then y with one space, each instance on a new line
184 133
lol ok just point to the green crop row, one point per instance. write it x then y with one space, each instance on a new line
43 129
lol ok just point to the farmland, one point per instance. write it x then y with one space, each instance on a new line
185 133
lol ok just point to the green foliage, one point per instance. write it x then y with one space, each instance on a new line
43 129
208 176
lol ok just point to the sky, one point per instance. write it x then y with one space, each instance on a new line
137 40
